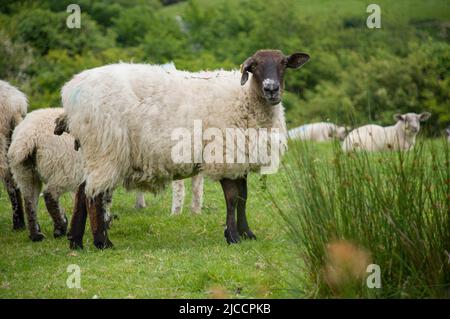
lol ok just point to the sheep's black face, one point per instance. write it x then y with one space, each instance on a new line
267 67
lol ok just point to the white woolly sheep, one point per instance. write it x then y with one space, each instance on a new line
177 186
401 136
318 132
178 194
125 115
13 107
36 157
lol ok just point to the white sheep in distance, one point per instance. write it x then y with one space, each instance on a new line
447 130
13 108
318 132
124 116
401 136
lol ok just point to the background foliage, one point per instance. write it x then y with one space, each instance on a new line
356 75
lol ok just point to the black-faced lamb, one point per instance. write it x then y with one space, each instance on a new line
37 158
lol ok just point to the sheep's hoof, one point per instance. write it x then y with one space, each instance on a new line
38 236
232 237
247 234
140 206
61 230
103 244
75 244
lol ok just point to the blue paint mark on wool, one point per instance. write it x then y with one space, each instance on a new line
74 97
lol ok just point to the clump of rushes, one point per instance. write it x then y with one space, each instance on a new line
351 209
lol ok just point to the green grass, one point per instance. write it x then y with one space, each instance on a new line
155 256
346 211
161 256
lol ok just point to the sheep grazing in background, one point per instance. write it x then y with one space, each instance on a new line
318 132
401 136
178 194
448 133
13 108
36 157
124 116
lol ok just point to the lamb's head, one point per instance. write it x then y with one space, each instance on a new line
267 67
341 132
410 122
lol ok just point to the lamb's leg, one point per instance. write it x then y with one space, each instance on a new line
231 192
242 224
96 209
107 202
140 200
56 212
31 200
177 196
197 194
15 196
78 222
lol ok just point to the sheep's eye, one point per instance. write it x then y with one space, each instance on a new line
253 68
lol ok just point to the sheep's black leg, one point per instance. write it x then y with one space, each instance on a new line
57 214
231 192
15 196
78 222
242 224
96 209
31 200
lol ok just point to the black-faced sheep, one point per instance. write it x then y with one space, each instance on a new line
125 117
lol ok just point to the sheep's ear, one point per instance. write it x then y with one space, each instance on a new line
61 125
424 116
245 68
296 60
399 117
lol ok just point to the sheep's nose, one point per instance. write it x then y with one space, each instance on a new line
272 88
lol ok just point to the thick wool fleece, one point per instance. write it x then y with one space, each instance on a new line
13 108
37 155
124 115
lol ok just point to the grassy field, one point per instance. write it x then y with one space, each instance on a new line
156 255
161 256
